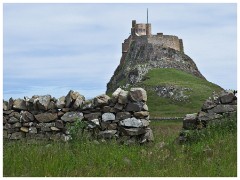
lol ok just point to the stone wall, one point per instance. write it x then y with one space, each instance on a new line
213 110
124 117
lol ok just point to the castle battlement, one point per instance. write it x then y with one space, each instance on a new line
143 31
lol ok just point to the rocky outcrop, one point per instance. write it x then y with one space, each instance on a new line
143 56
124 117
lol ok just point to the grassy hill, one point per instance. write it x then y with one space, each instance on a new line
200 90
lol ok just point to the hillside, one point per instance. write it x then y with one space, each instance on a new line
174 93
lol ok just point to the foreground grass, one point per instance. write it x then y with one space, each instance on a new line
216 155
165 107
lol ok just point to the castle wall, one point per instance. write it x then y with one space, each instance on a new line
166 41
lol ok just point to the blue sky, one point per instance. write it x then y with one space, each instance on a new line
52 48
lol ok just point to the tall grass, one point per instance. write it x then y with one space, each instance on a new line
214 155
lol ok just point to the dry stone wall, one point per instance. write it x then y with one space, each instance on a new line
213 110
124 117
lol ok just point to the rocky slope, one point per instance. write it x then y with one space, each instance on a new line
143 57
170 77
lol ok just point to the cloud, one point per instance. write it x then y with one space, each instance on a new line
57 47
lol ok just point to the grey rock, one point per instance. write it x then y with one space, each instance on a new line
138 94
133 122
10 103
5 105
28 124
68 99
15 114
118 106
52 106
59 124
5 134
122 115
13 120
108 117
223 108
32 130
43 102
60 102
92 116
17 135
202 116
46 117
19 104
7 112
107 134
101 100
134 106
87 104
227 97
78 102
190 121
17 125
106 109
145 107
148 136
72 116
141 114
208 104
115 95
132 131
26 116
123 97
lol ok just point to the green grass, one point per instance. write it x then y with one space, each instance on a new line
84 158
165 107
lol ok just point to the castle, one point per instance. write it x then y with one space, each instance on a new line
143 32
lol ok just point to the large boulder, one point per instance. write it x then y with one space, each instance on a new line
101 100
19 104
138 94
43 102
46 117
227 97
72 116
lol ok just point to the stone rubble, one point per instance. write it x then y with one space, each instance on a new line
123 117
213 109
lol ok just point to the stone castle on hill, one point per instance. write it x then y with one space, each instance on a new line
143 51
143 32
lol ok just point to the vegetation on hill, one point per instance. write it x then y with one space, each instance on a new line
198 91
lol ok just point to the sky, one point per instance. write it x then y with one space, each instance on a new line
54 48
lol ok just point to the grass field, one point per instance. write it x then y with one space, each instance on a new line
164 107
214 153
